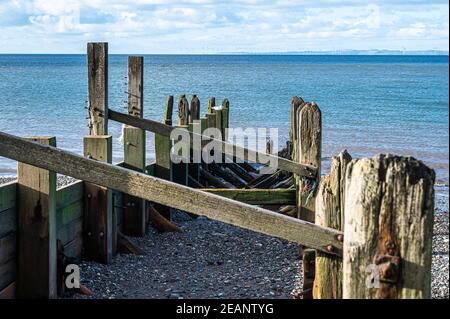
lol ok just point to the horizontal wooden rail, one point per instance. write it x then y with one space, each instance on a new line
171 194
227 148
257 196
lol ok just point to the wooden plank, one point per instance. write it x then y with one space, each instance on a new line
97 55
135 85
69 213
171 194
8 273
8 221
98 226
134 158
70 231
163 145
330 213
8 247
8 195
74 248
225 118
389 207
133 220
69 194
36 207
256 196
9 292
162 129
309 152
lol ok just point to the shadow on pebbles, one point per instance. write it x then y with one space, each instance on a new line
209 259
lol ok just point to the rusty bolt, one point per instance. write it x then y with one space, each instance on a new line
340 238
330 248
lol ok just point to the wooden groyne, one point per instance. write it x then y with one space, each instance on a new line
364 229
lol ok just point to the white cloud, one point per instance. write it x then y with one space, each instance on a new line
248 25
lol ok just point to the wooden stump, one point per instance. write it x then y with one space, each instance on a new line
389 204
330 213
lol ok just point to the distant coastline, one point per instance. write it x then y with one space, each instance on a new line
319 53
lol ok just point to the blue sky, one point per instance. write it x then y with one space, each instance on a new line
214 26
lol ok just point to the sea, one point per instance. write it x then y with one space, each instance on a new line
370 104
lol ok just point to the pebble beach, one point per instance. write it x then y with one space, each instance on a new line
211 259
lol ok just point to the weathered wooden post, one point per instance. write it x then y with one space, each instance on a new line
180 170
134 148
308 151
194 118
163 145
97 55
389 206
330 213
225 118
36 254
98 225
296 103
98 230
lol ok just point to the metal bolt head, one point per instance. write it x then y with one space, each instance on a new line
340 238
89 195
330 248
101 234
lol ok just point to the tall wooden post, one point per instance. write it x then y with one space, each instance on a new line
225 118
97 55
134 153
98 226
194 118
309 151
36 256
180 170
389 207
163 144
330 213
296 103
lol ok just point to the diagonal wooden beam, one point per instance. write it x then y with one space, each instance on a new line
228 149
171 194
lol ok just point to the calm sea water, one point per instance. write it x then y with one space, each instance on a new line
370 104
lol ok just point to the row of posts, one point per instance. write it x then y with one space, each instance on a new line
384 206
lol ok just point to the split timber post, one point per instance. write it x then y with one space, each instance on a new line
163 145
389 206
98 231
194 118
296 103
134 148
180 170
225 118
308 150
330 213
36 257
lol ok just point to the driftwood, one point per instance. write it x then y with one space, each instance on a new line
227 175
286 183
160 222
241 172
248 167
271 180
214 180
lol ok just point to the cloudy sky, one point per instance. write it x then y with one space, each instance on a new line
213 26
